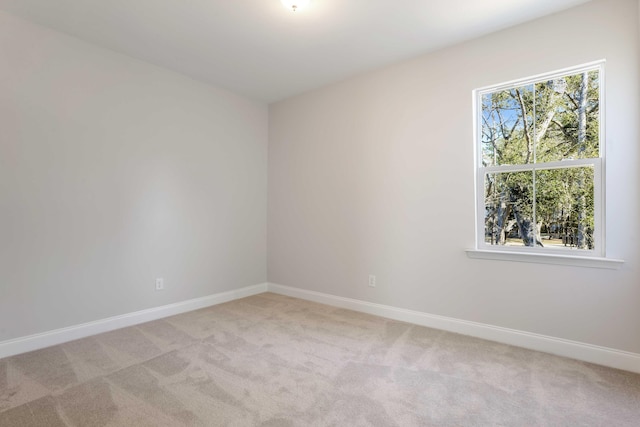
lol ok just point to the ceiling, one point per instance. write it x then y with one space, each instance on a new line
259 49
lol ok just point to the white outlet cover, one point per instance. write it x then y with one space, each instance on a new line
372 280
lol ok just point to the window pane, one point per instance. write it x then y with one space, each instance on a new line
507 127
567 117
565 207
509 209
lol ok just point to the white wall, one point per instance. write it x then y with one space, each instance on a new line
375 175
114 172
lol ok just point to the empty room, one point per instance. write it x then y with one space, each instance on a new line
319 213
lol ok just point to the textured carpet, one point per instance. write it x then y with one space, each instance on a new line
271 360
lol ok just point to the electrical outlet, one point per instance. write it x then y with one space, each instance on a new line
372 280
159 284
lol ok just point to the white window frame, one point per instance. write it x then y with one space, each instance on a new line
581 257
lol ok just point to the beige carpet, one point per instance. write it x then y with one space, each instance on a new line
276 361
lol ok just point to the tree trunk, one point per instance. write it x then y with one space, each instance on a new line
526 128
558 92
582 144
525 226
503 213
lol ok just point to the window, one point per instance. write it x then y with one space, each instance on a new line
540 148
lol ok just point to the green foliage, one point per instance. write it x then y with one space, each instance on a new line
557 198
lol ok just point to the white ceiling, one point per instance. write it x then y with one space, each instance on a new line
262 50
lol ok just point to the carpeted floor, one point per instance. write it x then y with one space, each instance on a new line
270 360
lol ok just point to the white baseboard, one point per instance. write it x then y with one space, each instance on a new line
59 336
576 350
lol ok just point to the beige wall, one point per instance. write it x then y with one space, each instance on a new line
114 172
374 175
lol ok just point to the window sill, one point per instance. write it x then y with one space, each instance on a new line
578 261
